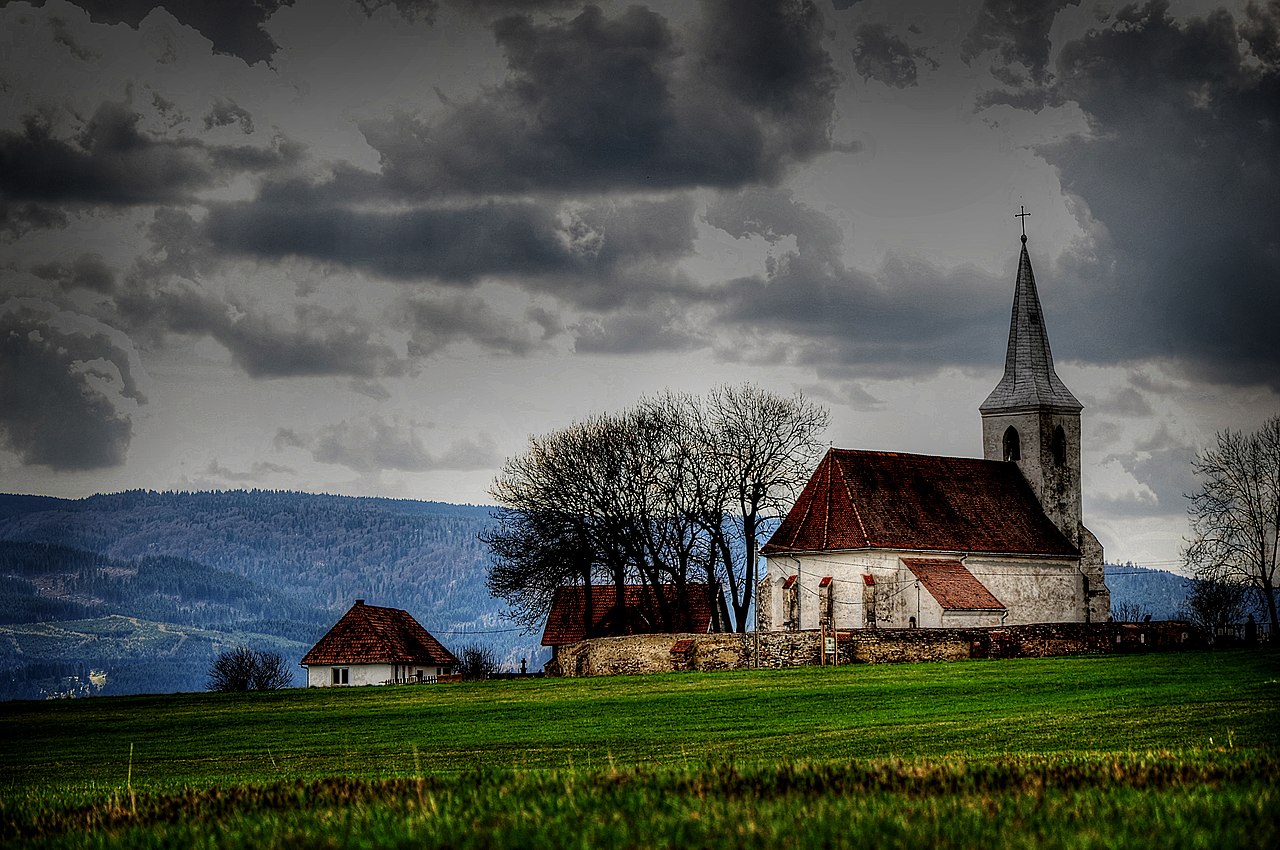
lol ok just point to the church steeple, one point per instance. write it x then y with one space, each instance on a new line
1029 381
1031 418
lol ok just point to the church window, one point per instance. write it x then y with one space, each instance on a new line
1059 447
869 601
1012 444
791 602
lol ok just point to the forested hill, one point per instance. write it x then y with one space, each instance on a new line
262 567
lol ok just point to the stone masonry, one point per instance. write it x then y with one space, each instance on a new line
637 654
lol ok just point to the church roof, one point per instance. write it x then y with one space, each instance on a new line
951 583
1029 379
885 500
369 634
565 621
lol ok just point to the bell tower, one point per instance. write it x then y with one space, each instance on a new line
1031 418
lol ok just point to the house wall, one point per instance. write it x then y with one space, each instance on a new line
321 675
1049 590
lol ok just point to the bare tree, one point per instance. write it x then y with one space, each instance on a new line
762 448
244 669
1216 602
1127 612
477 662
1235 517
669 494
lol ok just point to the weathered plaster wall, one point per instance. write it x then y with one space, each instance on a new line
1044 590
652 653
1057 486
1091 564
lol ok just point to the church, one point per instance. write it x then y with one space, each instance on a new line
890 540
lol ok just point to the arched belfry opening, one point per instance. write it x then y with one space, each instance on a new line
1012 444
1059 447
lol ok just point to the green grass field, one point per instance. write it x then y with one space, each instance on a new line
1153 750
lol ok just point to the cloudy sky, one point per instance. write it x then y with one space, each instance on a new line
369 246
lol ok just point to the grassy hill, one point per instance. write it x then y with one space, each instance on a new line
1164 750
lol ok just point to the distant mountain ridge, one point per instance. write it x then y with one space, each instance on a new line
1159 593
232 559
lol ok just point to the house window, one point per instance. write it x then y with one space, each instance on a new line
340 676
1012 444
1059 447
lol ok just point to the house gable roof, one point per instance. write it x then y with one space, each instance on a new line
565 621
906 502
369 634
951 583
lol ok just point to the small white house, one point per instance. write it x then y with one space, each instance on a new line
372 645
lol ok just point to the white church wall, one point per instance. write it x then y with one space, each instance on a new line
1032 591
1039 591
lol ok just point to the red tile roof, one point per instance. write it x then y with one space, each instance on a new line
951 583
885 500
565 621
369 634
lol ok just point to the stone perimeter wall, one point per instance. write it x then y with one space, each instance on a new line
637 654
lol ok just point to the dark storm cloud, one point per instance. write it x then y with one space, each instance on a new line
19 219
658 327
594 254
55 406
87 271
598 102
234 26
1018 32
438 322
1181 171
377 443
317 342
425 10
224 113
452 244
61 35
112 162
907 317
880 55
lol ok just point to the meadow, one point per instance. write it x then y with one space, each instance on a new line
1170 750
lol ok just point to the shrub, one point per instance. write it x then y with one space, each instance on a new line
244 669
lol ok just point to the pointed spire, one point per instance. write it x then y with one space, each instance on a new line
1029 378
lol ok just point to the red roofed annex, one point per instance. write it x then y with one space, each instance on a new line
881 539
572 620
372 645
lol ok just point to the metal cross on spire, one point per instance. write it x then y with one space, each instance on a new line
1023 215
